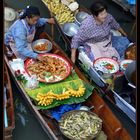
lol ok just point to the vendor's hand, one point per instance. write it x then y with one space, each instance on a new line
73 60
40 58
124 34
51 21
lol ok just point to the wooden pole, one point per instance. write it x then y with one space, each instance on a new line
52 28
133 27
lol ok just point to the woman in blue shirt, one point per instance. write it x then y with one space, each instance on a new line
22 32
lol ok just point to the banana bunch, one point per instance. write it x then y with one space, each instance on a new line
77 93
63 96
56 8
43 100
47 99
65 17
51 95
48 1
62 13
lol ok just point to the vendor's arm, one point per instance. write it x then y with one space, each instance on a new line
115 25
79 39
122 31
73 54
74 46
43 21
21 43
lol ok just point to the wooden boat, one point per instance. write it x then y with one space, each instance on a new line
112 95
111 125
9 119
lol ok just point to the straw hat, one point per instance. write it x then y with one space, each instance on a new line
9 14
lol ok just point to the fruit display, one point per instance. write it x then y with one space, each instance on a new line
47 99
62 13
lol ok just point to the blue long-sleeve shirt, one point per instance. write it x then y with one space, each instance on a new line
18 34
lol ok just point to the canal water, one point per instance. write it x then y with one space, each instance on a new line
27 126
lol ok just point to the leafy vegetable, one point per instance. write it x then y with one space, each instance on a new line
125 65
109 66
80 125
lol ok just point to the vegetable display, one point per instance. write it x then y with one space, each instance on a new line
124 64
106 65
80 125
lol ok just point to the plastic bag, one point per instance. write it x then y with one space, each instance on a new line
32 82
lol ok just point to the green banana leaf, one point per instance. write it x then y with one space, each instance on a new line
71 82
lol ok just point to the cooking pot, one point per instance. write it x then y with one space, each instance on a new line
130 74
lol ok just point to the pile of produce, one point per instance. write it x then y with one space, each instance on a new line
52 69
41 47
61 11
46 99
70 91
80 125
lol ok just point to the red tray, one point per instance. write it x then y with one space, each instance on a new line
67 65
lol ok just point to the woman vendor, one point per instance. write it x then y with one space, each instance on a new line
20 35
94 34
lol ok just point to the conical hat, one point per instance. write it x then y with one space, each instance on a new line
9 14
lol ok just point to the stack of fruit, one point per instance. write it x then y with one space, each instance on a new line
62 13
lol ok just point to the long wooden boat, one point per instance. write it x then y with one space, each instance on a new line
112 95
9 120
111 125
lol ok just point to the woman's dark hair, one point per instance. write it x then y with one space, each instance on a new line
30 12
97 7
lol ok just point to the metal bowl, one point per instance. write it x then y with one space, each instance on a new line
70 29
86 108
80 16
42 41
124 64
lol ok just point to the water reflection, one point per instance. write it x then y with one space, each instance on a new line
27 126
21 112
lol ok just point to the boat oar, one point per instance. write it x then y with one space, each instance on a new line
52 26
